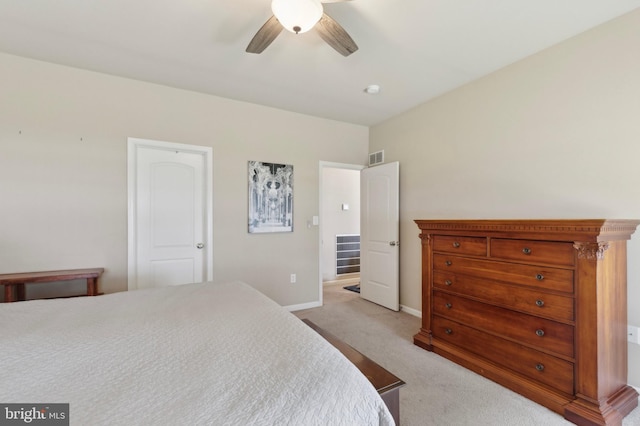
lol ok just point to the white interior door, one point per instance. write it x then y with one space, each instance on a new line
379 231
169 217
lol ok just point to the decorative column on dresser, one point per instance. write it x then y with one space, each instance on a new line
539 306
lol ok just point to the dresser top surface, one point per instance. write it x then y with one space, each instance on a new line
569 229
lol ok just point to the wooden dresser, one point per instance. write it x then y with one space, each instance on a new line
539 306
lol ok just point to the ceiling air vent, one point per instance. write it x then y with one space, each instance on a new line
376 158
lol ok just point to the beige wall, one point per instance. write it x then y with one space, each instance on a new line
63 167
554 136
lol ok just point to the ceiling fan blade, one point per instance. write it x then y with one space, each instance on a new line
265 35
336 36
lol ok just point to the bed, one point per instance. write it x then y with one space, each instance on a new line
197 354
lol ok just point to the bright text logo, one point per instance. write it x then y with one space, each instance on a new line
34 414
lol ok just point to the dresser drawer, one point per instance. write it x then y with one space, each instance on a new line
544 368
544 277
545 252
535 331
531 301
472 246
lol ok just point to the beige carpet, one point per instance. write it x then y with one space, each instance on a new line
438 392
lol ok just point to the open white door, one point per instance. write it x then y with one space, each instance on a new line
379 234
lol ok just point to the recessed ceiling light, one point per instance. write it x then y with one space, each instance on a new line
372 89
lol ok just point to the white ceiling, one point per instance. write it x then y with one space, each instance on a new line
414 49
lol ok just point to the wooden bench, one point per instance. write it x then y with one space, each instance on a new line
387 385
14 284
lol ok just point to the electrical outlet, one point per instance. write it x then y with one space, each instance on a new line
293 278
632 335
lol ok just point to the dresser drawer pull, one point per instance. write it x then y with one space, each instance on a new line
456 244
540 332
526 250
447 282
539 277
448 263
540 303
448 305
448 330
540 367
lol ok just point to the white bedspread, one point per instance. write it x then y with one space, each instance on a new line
198 354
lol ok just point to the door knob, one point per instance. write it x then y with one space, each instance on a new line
199 245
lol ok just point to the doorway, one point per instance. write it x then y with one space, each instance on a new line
339 224
378 221
170 213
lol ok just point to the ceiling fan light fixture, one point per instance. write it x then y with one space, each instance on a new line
297 16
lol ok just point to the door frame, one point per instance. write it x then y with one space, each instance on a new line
322 166
133 144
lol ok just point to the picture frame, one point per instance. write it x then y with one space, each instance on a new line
270 201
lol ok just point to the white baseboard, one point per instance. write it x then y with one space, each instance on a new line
293 308
342 281
411 311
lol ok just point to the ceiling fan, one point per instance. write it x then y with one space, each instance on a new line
299 16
